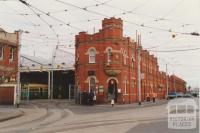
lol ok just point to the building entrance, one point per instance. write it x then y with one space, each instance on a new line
112 90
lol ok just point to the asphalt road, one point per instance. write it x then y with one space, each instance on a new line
160 127
58 117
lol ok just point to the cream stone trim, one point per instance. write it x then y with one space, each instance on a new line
88 79
112 78
88 51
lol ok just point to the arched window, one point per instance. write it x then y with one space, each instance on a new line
92 56
92 84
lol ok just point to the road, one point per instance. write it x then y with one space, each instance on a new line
57 117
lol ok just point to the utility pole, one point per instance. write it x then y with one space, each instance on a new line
19 34
52 70
167 82
139 71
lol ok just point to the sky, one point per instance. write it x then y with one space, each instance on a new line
48 23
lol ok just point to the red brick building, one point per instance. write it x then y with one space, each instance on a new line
9 43
106 62
177 84
153 81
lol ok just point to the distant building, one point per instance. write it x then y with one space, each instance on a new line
106 63
153 80
177 85
9 44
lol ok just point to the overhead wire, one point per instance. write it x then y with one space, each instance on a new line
125 21
82 8
172 9
130 22
50 26
25 18
176 50
124 12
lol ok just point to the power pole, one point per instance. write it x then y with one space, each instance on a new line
19 34
139 71
52 71
167 82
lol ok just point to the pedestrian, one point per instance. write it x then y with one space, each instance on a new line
154 97
91 97
94 98
148 97
112 102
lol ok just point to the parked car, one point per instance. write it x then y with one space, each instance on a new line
171 95
187 95
179 95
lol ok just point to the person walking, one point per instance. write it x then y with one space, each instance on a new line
148 97
90 98
113 98
154 97
94 98
112 102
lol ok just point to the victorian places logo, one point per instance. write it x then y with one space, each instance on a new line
182 113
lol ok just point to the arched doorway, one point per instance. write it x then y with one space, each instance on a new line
112 89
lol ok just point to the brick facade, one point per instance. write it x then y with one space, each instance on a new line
9 43
177 84
106 62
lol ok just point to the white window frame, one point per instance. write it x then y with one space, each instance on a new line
11 54
92 56
2 52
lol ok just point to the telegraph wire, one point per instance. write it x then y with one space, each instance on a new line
132 11
25 17
172 9
177 50
50 26
49 15
139 25
84 8
124 12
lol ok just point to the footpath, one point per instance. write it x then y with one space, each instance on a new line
136 105
9 112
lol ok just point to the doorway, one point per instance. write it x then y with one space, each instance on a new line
112 90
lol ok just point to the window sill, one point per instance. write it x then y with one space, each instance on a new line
11 60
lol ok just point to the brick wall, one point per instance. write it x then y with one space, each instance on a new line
8 68
6 95
120 66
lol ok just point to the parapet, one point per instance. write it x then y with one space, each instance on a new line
112 28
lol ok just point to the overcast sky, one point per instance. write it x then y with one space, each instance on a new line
154 19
